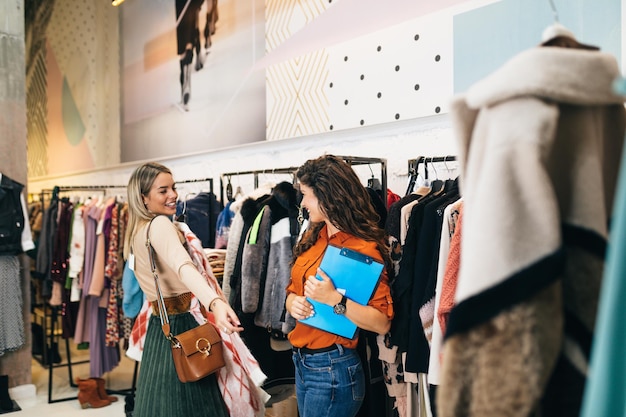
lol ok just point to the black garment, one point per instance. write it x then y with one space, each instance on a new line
59 262
200 213
45 249
375 401
11 217
379 206
402 286
424 280
392 225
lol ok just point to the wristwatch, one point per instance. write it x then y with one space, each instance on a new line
340 308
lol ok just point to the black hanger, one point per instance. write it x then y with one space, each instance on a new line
373 182
229 190
436 185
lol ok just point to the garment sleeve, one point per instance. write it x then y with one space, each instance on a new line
27 236
381 300
166 242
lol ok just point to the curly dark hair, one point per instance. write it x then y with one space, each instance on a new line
344 200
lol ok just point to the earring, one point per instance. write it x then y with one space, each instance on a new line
300 215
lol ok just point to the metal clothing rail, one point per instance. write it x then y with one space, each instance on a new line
352 160
358 160
209 180
87 187
55 311
290 170
60 189
414 167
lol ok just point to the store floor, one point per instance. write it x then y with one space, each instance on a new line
119 380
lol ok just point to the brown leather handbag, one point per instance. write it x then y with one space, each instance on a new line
198 352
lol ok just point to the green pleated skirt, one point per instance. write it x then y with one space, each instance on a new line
159 392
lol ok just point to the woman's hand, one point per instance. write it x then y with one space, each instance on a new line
299 307
323 290
225 317
364 316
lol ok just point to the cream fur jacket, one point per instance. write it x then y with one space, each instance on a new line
540 145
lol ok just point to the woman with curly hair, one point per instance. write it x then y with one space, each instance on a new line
329 374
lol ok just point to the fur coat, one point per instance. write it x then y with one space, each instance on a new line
266 261
540 144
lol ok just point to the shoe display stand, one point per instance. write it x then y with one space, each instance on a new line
45 348
48 318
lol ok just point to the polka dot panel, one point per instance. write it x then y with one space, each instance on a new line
400 73
403 72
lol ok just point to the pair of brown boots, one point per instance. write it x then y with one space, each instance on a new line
92 394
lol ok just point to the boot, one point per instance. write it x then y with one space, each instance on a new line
38 338
129 405
88 394
102 392
6 403
53 354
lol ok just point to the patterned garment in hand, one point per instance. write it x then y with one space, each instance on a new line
241 379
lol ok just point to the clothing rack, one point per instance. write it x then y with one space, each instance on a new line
209 180
255 173
54 313
414 164
358 160
59 189
351 160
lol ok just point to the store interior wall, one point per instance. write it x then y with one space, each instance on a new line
427 134
73 86
456 32
17 364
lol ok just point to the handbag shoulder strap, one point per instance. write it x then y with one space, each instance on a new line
165 321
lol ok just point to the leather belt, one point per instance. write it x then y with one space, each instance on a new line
174 305
309 351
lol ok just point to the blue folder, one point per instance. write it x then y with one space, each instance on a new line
356 276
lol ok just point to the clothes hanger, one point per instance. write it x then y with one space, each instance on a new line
374 183
421 187
229 190
436 185
558 35
239 194
413 175
450 183
182 217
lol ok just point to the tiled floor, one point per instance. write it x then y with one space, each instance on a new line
119 380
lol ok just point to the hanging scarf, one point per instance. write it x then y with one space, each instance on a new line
241 379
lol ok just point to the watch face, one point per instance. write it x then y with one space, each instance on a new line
340 309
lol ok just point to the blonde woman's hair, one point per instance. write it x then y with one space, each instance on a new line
139 185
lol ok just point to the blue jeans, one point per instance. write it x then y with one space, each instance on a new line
329 384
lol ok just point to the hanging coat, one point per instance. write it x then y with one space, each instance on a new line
540 142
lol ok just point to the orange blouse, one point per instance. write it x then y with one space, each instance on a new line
306 265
